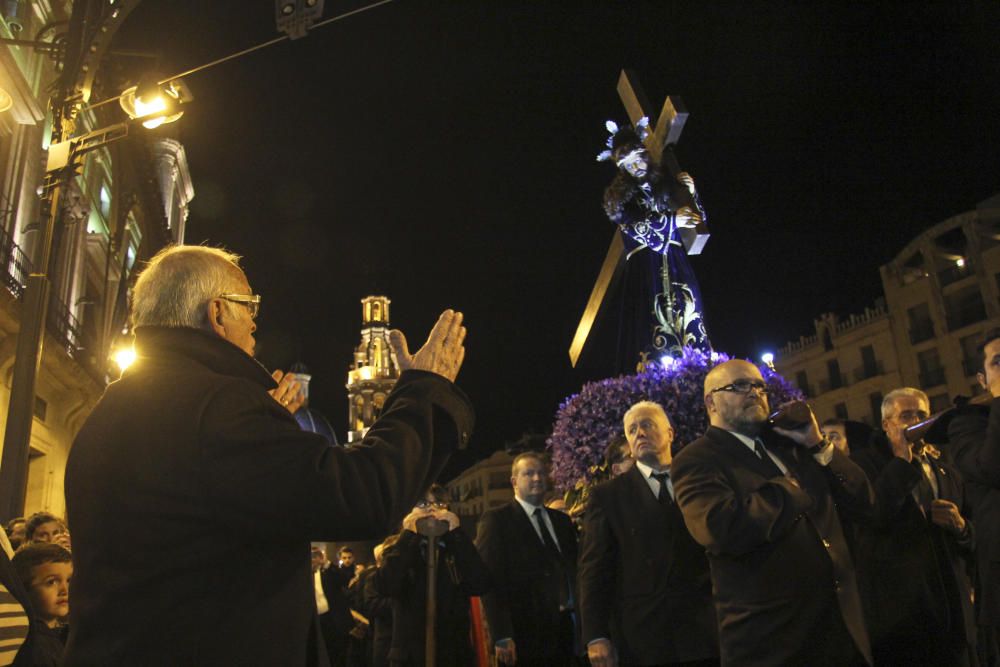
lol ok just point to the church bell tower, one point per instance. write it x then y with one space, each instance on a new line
374 372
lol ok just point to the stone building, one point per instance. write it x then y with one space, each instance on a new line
941 293
374 371
128 200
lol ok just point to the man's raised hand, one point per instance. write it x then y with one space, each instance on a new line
443 352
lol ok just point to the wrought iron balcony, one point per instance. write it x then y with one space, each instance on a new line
61 324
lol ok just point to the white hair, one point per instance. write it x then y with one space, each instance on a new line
646 405
177 284
888 403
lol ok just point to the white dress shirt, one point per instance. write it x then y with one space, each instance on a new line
529 509
654 484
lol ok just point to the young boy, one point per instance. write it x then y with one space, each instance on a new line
46 570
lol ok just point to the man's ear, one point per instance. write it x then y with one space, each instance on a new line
982 380
215 317
709 403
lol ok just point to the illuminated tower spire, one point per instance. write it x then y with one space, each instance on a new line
374 371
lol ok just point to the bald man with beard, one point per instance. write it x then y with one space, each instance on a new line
763 502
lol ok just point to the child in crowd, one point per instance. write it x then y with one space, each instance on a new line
46 570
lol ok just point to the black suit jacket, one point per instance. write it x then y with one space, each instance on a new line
644 581
524 602
781 569
914 585
974 445
194 495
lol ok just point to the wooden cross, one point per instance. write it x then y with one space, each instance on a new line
666 131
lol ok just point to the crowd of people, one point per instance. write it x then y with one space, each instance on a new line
195 500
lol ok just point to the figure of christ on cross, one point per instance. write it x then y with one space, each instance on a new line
656 207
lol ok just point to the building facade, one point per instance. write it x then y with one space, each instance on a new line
128 200
480 487
374 371
941 293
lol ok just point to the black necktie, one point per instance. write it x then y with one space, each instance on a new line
664 495
925 492
761 452
550 543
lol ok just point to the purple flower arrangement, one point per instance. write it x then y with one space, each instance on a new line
586 423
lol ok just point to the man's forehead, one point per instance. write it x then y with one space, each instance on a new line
644 413
901 403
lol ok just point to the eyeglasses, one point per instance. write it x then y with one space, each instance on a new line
907 416
251 301
742 387
428 505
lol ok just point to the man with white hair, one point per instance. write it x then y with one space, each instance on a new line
645 592
913 558
194 495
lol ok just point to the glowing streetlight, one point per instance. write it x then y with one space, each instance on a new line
155 102
768 359
125 357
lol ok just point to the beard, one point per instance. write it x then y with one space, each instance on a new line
747 418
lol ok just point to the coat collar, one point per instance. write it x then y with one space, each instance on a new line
207 349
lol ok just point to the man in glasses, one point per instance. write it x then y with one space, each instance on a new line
761 500
221 490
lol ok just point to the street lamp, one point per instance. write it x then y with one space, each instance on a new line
64 158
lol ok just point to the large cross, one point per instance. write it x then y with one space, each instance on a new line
666 131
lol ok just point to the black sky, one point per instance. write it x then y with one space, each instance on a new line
442 153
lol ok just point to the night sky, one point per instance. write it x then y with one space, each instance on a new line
442 153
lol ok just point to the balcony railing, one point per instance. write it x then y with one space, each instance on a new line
61 324
931 377
869 371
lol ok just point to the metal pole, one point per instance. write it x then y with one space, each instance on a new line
21 409
432 529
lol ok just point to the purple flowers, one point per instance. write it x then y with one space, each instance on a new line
586 423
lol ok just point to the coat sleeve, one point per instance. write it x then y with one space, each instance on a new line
496 603
975 443
265 474
473 576
726 520
892 485
597 568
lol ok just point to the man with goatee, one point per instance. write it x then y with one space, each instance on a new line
763 502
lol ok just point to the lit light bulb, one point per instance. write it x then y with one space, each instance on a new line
124 357
768 358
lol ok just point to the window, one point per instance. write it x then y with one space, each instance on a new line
833 370
931 371
965 307
939 402
869 366
840 410
875 405
971 361
802 381
921 326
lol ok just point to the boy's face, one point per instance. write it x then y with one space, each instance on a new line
50 591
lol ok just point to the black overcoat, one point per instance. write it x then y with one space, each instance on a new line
974 446
914 583
524 601
782 574
644 581
193 497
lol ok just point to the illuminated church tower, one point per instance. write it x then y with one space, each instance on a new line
373 372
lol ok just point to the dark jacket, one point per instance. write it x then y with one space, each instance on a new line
378 609
461 574
644 581
914 586
193 497
528 584
974 445
784 584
